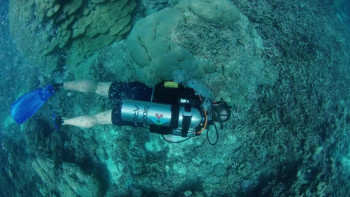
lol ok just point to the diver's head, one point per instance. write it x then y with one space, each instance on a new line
221 111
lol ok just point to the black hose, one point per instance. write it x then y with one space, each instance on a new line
175 142
217 136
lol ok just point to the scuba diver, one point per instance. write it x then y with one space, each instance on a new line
169 108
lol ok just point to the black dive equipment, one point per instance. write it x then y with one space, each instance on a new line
221 112
179 119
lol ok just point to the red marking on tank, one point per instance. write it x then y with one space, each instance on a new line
159 116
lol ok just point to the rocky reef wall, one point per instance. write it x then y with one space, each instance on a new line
45 30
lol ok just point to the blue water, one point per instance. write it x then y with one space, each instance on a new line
344 13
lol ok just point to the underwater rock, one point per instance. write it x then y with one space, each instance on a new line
42 28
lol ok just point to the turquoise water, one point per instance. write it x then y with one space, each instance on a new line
283 66
344 13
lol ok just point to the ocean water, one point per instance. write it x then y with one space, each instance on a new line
343 12
282 66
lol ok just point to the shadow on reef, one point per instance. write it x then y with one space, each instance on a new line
192 184
97 169
287 173
64 147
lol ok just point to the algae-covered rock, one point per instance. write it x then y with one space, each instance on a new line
45 30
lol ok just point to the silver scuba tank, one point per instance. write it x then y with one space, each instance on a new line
158 114
146 112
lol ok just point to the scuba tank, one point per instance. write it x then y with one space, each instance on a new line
182 119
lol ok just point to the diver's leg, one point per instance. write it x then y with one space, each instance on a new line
90 121
86 86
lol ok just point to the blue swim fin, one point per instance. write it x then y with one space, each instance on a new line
29 103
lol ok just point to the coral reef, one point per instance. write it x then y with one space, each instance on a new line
217 11
308 45
45 30
211 46
157 56
148 7
283 65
